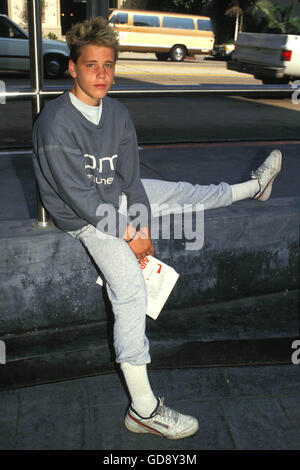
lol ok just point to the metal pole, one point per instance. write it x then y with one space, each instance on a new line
35 53
37 78
97 8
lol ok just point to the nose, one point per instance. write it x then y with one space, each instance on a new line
100 71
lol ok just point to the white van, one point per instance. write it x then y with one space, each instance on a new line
173 35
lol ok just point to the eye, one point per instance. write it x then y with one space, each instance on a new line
108 66
90 65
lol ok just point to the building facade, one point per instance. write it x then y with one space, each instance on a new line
51 16
57 15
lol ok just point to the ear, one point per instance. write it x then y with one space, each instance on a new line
72 68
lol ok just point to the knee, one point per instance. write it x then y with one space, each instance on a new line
129 291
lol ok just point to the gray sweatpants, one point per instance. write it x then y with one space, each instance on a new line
121 270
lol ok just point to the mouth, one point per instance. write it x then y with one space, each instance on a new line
100 86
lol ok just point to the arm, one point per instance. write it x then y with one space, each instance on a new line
137 200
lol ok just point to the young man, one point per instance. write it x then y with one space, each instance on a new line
85 158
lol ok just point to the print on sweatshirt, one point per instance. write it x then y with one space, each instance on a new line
104 165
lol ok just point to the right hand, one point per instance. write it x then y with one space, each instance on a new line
141 245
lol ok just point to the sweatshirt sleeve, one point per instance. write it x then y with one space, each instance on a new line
63 167
138 206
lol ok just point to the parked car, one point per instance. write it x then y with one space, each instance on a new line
168 35
272 58
14 47
223 51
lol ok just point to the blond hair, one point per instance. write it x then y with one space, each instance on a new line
95 31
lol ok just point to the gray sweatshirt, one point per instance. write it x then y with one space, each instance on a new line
80 165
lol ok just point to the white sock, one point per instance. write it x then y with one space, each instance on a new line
144 401
244 190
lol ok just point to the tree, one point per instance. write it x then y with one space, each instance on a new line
268 17
135 4
182 6
230 16
234 10
192 6
280 19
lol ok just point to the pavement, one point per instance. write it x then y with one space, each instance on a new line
238 408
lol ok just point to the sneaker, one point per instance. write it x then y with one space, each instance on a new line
266 175
163 421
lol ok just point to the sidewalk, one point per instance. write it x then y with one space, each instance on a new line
255 408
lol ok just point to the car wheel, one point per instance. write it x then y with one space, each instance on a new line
162 55
178 53
54 66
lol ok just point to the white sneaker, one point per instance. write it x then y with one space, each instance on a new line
163 421
266 175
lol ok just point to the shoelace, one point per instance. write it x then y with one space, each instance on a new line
167 413
260 171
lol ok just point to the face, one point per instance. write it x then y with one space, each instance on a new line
93 73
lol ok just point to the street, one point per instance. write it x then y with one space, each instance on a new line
193 71
133 67
173 119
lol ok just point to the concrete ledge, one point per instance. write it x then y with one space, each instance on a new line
252 331
48 281
250 249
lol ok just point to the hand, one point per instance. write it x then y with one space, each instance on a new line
141 245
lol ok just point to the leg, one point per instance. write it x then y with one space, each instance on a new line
129 301
127 293
214 196
165 192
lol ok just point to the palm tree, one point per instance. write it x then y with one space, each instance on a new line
277 19
222 11
234 10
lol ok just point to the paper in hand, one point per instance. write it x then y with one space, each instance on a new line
160 280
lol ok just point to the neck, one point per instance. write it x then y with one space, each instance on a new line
85 99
